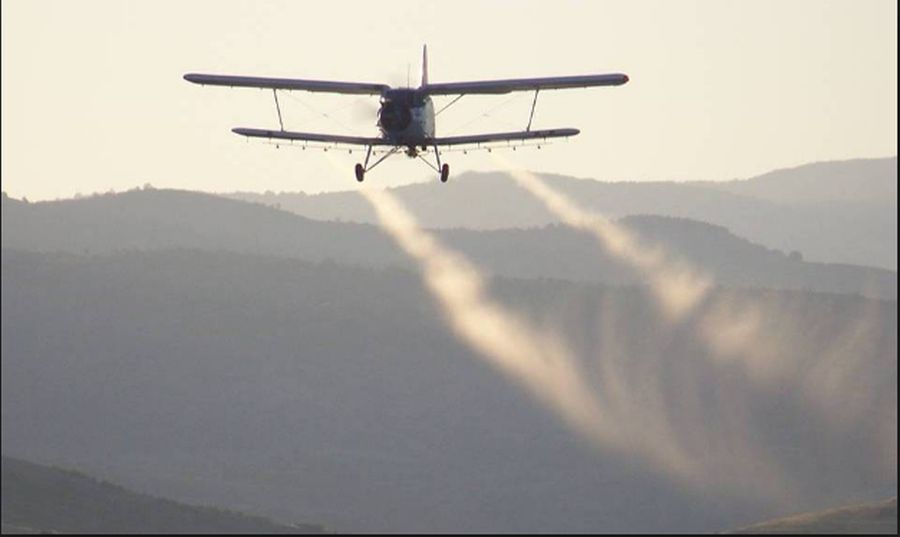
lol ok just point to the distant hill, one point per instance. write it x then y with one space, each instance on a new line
154 219
880 518
42 499
335 394
836 212
862 180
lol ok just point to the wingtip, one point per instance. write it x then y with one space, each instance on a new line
243 131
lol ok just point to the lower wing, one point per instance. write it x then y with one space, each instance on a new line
437 141
502 137
310 137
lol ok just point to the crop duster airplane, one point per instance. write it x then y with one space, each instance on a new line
406 118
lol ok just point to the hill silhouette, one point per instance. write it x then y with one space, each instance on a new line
222 352
316 391
42 499
835 212
873 518
858 180
152 219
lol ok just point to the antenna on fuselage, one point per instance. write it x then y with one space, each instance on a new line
424 65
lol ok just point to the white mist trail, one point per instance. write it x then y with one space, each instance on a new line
677 286
624 412
534 358
761 336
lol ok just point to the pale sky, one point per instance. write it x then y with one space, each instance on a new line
93 97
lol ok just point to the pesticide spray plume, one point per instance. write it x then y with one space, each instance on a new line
677 286
533 357
621 411
762 335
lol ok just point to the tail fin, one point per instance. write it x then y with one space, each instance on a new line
424 65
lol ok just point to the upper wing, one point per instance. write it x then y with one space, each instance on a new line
330 86
520 84
309 137
502 137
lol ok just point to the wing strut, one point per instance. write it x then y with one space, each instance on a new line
533 103
277 107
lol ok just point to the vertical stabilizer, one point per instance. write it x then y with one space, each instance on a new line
424 65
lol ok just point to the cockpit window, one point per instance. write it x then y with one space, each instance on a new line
409 98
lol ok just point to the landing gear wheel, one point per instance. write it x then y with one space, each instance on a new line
360 173
445 172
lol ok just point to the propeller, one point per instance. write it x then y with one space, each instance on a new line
364 111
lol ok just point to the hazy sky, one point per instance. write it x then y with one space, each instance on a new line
93 97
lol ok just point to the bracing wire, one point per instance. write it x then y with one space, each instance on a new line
488 114
317 114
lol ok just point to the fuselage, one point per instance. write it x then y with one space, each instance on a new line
406 118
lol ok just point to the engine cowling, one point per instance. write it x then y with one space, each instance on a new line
394 116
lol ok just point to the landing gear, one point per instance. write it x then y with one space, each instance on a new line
361 169
444 168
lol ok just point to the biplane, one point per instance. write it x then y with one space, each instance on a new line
406 117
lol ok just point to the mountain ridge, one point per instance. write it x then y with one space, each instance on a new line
866 518
40 499
151 219
838 211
